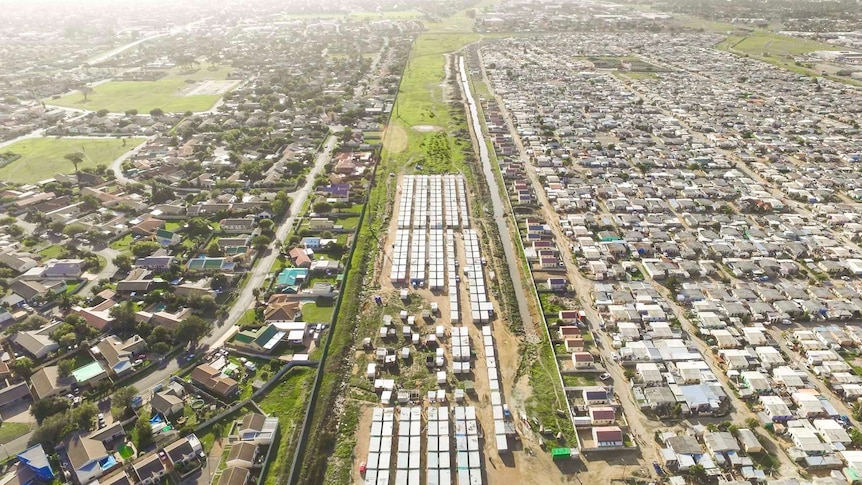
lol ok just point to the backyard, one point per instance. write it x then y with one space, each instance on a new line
287 402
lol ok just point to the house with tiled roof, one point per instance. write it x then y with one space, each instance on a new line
212 380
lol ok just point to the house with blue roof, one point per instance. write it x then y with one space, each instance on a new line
36 466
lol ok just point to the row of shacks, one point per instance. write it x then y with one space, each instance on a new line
481 308
502 428
439 463
469 459
426 206
377 466
407 451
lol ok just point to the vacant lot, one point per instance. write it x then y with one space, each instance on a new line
423 100
41 158
762 43
176 92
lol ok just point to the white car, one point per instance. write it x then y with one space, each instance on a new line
605 376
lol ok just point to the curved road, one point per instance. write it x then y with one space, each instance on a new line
259 273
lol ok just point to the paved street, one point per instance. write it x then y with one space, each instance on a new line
259 273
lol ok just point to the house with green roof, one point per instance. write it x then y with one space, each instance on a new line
290 280
167 238
260 340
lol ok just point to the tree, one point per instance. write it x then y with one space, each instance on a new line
65 367
266 227
124 318
144 432
697 471
157 112
76 158
123 262
192 329
198 226
322 207
123 398
219 281
752 423
86 90
145 248
43 408
102 113
261 242
23 366
73 230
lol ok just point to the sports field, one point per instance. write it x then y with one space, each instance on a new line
178 92
42 158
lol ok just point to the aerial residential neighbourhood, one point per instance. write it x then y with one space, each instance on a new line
430 242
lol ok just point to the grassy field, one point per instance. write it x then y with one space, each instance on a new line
780 51
766 44
43 157
287 402
421 103
53 251
391 14
10 431
166 93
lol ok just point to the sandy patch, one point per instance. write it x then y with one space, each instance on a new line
210 88
427 128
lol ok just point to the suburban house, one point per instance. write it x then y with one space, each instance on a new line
166 404
582 360
14 393
237 225
89 459
184 449
320 224
212 380
258 429
167 238
46 382
283 311
234 476
155 262
119 478
170 400
300 258
119 354
63 269
33 467
606 436
242 455
37 343
149 470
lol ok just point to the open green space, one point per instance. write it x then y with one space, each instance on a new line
10 431
422 126
124 243
780 51
167 93
767 44
287 402
390 14
41 158
52 252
